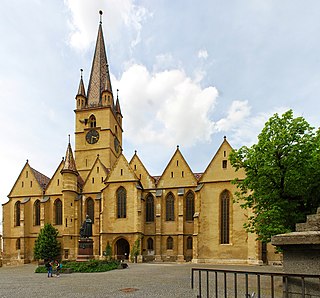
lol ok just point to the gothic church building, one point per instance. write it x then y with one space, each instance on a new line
178 216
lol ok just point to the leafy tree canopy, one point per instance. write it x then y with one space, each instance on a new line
47 246
282 183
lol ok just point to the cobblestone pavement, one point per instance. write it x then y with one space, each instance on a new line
139 280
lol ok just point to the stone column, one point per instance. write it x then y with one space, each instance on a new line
158 223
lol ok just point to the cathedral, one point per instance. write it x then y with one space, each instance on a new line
178 216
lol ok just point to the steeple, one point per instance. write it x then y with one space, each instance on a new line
69 162
118 110
81 89
99 77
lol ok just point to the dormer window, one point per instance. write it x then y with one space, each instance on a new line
92 121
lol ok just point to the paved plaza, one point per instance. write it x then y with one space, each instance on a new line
139 280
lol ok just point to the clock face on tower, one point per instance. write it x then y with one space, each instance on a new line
92 136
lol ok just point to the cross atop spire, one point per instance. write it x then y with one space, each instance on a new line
101 13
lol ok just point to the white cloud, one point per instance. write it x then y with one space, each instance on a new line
116 14
165 61
238 111
203 54
242 127
166 108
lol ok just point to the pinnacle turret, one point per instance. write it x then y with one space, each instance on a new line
81 89
117 108
69 162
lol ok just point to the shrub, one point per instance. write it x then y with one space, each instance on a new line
90 266
108 253
41 269
135 251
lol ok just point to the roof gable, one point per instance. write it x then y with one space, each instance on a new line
177 173
121 171
30 182
55 184
96 177
141 172
219 168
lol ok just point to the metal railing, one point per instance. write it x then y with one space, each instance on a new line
244 284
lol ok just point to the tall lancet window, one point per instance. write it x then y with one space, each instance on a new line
121 202
92 121
17 214
58 212
150 243
150 208
225 217
90 209
36 213
189 206
170 207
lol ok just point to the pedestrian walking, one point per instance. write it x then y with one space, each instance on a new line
49 265
58 268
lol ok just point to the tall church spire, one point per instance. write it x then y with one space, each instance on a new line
100 77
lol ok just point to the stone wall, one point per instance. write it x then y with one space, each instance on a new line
301 255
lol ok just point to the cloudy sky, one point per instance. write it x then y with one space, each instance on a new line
189 72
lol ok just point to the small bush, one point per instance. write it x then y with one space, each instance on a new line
41 269
108 252
90 266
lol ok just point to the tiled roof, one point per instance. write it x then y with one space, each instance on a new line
156 178
43 180
69 162
99 77
80 181
197 175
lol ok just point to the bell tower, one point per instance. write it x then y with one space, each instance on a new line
98 121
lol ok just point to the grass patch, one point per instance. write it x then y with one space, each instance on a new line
90 266
41 269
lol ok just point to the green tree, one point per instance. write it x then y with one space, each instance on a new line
282 183
135 251
47 246
108 252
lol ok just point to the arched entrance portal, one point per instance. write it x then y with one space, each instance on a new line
122 249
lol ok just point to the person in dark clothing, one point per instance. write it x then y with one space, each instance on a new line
49 265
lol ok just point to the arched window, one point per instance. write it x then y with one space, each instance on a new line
18 244
17 214
92 121
36 213
189 242
169 243
149 208
90 209
150 244
58 212
121 202
224 217
189 206
170 207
